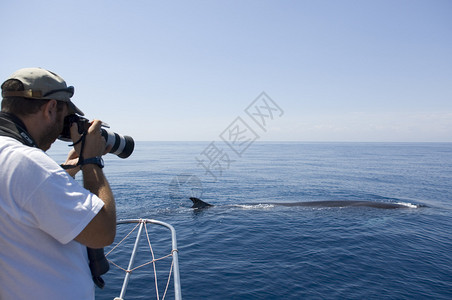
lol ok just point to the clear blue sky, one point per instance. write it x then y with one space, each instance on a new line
184 70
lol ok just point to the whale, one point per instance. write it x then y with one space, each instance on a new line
199 204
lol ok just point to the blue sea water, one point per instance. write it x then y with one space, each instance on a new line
244 249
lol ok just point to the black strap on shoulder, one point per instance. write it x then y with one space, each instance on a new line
12 126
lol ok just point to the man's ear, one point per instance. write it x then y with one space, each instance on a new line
49 110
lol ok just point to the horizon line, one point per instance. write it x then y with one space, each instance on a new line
300 141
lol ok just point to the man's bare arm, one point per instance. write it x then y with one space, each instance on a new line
101 231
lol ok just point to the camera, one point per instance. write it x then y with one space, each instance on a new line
122 146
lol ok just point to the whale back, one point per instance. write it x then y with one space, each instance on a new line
198 203
344 203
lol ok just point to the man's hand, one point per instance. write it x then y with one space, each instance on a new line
72 160
94 141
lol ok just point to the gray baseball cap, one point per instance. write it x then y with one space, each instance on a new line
43 84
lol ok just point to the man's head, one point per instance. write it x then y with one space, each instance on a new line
29 88
42 100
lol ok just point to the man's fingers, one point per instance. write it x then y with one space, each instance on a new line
95 126
74 132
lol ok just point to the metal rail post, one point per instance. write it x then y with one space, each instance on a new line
132 259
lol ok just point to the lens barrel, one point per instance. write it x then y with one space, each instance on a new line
122 146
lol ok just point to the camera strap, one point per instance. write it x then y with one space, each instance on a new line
82 139
12 126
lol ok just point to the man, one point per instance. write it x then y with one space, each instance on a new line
47 220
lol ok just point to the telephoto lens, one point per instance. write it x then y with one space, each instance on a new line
122 146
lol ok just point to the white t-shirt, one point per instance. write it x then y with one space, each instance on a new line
42 210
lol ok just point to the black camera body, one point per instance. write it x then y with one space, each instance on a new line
82 125
121 145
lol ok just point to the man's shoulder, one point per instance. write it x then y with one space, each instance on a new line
9 142
16 156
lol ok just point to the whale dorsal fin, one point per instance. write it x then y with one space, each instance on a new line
198 203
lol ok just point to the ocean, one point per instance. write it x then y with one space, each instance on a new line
243 248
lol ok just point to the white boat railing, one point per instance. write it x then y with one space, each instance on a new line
174 253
